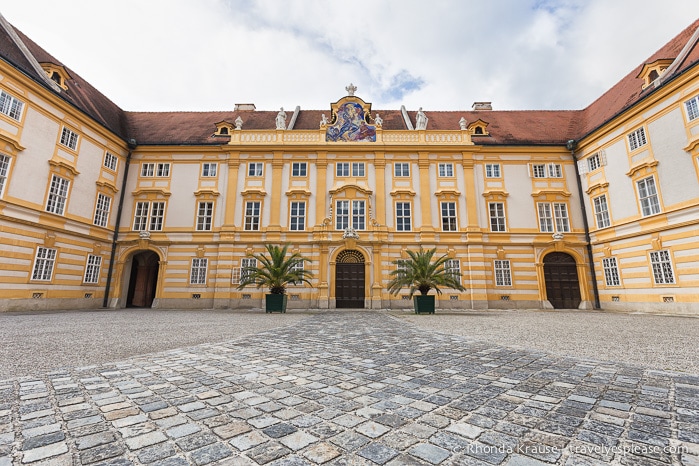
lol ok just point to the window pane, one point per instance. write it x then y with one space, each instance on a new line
341 215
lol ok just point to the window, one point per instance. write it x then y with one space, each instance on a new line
552 216
601 211
492 170
10 106
453 267
692 106
446 169
637 139
611 271
503 274
448 216
58 194
92 269
110 161
342 215
298 169
593 162
247 263
43 264
4 169
538 170
255 169
163 170
357 168
69 138
648 196
555 170
252 215
403 216
662 267
208 170
342 169
197 275
497 216
401 169
297 219
297 267
102 210
205 214
149 216
147 169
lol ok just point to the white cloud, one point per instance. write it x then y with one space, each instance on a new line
442 55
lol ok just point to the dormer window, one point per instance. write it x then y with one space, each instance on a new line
57 74
478 128
223 129
652 71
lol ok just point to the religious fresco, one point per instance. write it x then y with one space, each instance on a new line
350 125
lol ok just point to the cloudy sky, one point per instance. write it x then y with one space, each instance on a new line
158 55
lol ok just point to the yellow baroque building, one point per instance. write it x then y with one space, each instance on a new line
591 208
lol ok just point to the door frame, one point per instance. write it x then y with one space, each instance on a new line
333 274
575 265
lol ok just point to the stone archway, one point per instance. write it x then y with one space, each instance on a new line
562 282
143 279
349 279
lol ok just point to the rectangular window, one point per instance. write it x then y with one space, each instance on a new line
157 213
448 216
446 169
148 216
43 264
593 162
341 215
4 169
10 106
163 170
637 139
297 267
503 274
245 266
205 214
648 196
58 194
453 267
252 215
601 211
297 219
147 169
662 268
208 170
545 218
110 161
403 222
357 168
102 210
69 138
140 216
342 169
611 271
560 213
692 106
553 216
358 209
401 169
92 269
299 169
492 170
255 169
538 170
497 216
555 170
197 275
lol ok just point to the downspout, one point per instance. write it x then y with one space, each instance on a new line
571 145
132 146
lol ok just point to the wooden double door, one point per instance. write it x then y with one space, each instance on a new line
349 280
562 282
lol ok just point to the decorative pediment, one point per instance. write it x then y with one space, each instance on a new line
353 189
350 121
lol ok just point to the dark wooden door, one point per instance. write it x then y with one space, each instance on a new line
562 283
349 285
143 280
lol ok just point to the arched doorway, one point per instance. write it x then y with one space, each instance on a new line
562 284
143 279
349 279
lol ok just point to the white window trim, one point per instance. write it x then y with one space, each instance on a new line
299 169
93 265
252 216
205 218
503 272
601 216
358 169
451 216
147 169
398 169
58 195
209 170
256 169
445 170
500 215
692 108
198 271
44 263
69 138
102 209
653 207
5 161
403 216
342 169
611 271
300 219
152 218
110 161
637 138
10 106
162 170
492 170
661 266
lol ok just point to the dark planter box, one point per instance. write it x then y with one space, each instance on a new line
424 304
275 303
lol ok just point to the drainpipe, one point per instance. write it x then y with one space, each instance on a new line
132 146
571 145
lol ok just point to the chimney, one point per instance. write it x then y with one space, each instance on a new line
482 106
244 108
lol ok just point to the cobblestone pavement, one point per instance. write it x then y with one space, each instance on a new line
351 388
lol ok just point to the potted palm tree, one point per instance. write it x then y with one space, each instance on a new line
421 272
277 269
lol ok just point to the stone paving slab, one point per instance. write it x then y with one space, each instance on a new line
344 388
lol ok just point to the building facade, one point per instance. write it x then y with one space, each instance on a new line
591 208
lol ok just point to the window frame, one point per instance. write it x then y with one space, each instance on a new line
297 216
610 267
401 169
69 138
111 161
11 106
493 170
691 107
103 204
256 169
57 198
205 218
358 169
246 262
502 271
5 161
93 266
445 170
646 203
602 216
342 169
147 169
448 219
162 170
209 170
404 216
198 270
554 217
497 219
299 169
538 170
637 138
453 267
152 218
554 170
359 216
44 264
663 271
252 216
